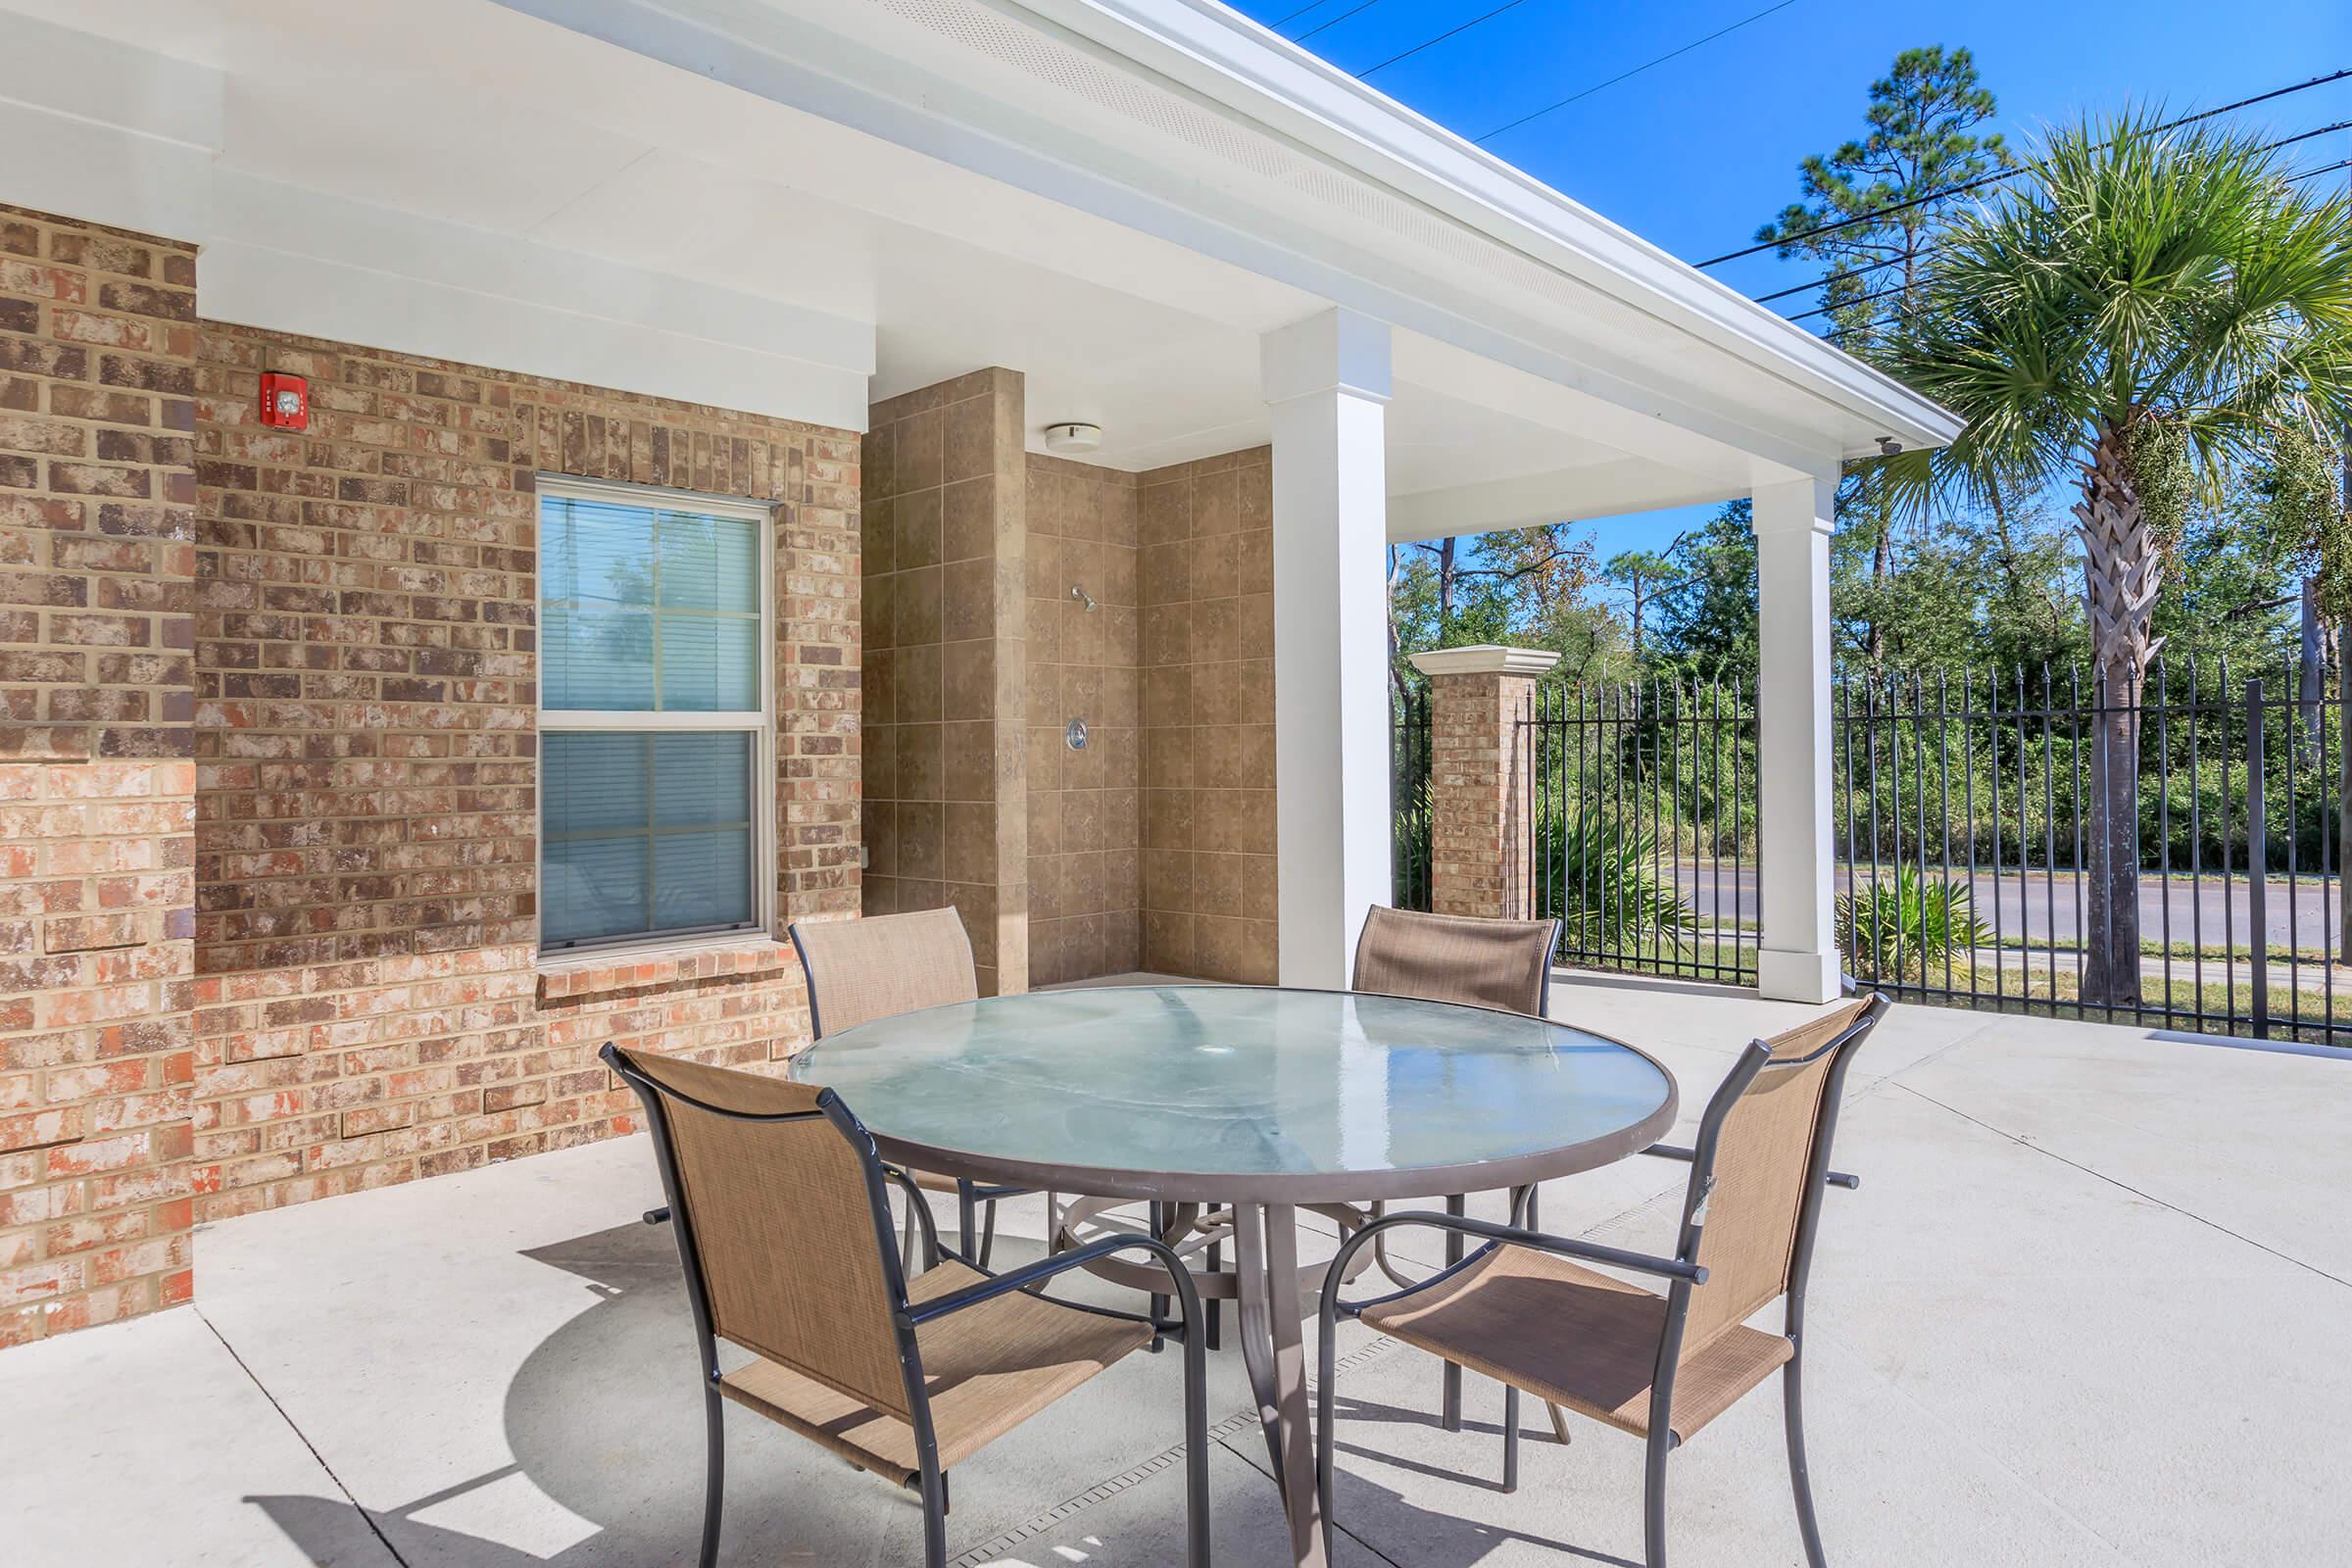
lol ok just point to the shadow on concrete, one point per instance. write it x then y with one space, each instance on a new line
605 1420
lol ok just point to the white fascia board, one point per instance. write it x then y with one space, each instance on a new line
1612 489
107 134
322 266
1258 74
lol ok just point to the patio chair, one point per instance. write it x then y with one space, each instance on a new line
1659 1367
859 970
1481 962
784 1233
1455 957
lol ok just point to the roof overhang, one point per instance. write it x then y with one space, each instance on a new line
1184 120
1257 71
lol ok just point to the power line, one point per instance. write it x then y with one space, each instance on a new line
1286 20
1996 178
1866 267
1635 72
1431 43
1333 23
1879 294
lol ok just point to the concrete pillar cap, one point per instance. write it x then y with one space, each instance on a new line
1485 658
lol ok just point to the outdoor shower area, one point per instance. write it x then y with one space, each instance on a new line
1966 827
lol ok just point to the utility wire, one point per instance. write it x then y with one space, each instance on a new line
1866 267
2001 175
1431 43
1333 23
1286 20
1635 72
1864 299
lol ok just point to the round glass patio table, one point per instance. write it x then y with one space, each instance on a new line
1258 1099
1243 1093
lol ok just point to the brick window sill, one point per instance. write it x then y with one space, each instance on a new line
595 974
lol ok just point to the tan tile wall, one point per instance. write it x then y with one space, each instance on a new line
370 1006
97 517
1085 807
946 762
1205 581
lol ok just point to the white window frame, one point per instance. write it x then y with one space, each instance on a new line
759 722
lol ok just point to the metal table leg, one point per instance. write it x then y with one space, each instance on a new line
1272 1331
1449 1403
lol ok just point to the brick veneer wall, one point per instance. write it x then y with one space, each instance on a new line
371 1007
946 760
1206 581
1085 810
97 504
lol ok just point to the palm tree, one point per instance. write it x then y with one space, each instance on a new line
2141 311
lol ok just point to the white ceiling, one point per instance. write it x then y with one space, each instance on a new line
467 112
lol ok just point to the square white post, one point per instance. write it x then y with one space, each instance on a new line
1327 380
1797 901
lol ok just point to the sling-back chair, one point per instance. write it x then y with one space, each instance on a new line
1521 1310
882 965
777 1194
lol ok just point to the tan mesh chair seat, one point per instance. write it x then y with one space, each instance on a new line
1577 1339
1453 957
987 1369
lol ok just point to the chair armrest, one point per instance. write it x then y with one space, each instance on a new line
1673 1268
1836 1178
921 1207
1045 1269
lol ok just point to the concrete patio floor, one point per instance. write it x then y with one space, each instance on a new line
2087 1307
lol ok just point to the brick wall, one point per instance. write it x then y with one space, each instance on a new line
1085 810
1207 580
369 1006
97 501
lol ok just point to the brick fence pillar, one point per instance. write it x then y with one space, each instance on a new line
1479 762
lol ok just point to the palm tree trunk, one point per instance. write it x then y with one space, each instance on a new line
2120 575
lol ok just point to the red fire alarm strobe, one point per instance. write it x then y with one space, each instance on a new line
285 401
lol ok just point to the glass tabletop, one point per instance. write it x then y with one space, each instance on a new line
1237 1094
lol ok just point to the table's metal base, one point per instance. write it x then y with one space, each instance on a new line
1272 1326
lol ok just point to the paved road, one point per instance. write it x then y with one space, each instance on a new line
2208 911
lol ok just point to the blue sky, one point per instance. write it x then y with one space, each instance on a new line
1695 153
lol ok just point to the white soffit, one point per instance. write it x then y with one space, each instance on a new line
102 130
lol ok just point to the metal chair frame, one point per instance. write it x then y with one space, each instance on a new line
931 1483
1683 1272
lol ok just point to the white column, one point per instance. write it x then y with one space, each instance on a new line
1797 901
1327 380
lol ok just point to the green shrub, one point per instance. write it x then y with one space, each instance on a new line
1895 930
1603 881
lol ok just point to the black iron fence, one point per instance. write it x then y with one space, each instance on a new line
1975 864
1980 865
1408 773
1642 815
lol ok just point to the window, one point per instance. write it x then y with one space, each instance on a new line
653 714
